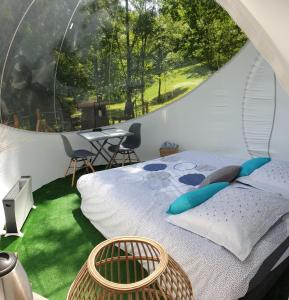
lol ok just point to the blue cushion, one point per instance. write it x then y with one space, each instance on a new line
251 165
195 197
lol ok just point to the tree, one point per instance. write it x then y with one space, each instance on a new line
213 37
166 35
74 71
114 48
144 29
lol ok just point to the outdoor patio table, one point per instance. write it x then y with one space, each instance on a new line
99 138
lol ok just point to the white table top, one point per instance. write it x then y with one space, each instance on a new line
109 133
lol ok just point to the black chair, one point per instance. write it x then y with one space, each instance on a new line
80 155
128 146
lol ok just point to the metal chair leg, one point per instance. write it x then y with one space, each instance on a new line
74 171
68 168
137 159
123 159
113 158
129 158
88 163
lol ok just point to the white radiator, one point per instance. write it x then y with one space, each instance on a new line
17 205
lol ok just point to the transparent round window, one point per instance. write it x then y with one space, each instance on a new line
77 64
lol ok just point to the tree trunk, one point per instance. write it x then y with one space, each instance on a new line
96 79
159 89
128 54
143 54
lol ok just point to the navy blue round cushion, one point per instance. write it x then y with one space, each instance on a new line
155 167
192 179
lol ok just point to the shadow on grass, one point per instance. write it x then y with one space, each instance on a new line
116 114
60 187
56 189
197 71
55 259
6 242
169 95
54 254
89 231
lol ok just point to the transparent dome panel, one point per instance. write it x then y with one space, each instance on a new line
73 64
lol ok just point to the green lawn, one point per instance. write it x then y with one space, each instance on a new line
175 84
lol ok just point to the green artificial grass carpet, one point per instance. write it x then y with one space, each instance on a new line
57 239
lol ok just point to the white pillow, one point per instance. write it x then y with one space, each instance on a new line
272 177
234 218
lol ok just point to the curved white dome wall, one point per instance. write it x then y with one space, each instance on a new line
211 118
265 23
40 155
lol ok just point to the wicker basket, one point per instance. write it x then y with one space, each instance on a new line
131 268
168 151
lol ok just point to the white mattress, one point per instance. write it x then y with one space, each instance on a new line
132 201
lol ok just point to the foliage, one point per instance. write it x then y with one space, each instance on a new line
116 49
213 37
73 71
133 43
175 84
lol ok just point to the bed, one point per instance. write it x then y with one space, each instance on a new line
133 200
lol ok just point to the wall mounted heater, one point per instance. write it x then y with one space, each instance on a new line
17 205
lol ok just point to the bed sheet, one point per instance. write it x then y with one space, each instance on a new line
133 201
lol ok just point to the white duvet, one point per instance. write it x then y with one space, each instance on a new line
132 201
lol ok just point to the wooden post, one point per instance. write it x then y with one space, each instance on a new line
16 122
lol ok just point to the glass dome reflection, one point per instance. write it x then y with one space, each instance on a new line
76 64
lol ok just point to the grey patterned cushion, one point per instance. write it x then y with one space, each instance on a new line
228 174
